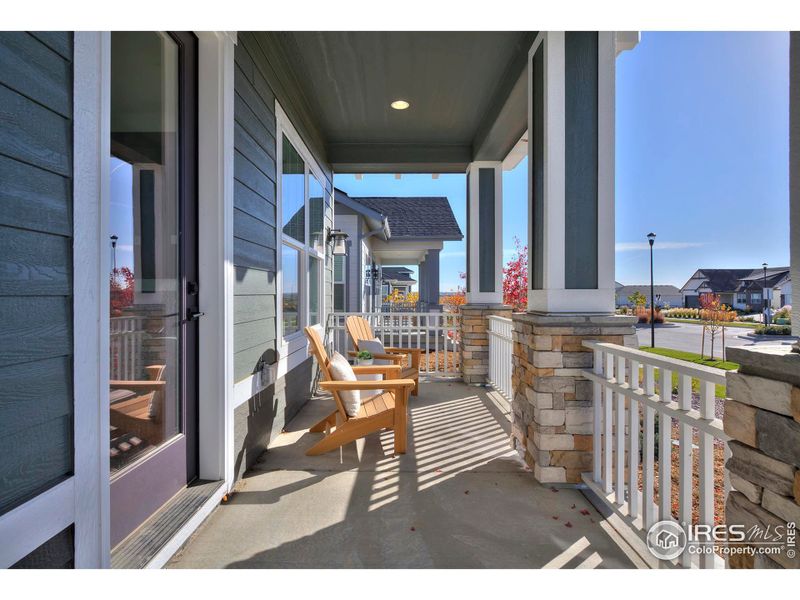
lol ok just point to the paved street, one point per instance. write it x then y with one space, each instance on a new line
688 337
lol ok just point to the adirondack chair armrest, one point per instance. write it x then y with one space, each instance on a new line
381 384
414 352
137 385
386 370
396 358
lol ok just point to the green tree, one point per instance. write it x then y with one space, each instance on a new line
637 298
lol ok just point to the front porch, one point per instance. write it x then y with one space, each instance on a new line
460 498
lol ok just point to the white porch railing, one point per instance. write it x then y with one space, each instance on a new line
501 348
126 336
626 408
436 333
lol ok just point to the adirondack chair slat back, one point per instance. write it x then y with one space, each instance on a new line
319 352
359 329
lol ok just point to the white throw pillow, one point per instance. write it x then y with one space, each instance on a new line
374 347
342 371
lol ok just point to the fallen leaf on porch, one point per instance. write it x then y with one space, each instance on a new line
552 489
585 512
572 507
555 518
466 491
413 529
567 524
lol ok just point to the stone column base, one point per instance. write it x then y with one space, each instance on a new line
474 347
762 416
552 403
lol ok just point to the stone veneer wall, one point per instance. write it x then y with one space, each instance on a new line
762 415
552 403
474 347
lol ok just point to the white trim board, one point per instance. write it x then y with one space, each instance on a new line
215 255
30 525
91 265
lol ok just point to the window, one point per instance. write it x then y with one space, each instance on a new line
302 216
291 300
338 283
741 298
293 205
314 286
316 211
755 296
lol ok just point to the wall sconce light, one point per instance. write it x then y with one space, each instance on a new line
338 238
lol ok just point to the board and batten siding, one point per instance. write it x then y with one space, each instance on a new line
36 393
256 242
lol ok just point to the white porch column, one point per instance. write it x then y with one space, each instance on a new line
571 173
485 233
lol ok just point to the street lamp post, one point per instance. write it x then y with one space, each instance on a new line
651 238
114 239
764 295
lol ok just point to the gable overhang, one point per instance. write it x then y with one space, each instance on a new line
403 252
467 90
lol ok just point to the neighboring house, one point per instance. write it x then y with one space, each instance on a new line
664 294
384 232
396 278
743 289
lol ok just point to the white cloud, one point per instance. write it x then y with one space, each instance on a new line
635 246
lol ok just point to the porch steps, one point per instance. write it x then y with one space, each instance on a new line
143 545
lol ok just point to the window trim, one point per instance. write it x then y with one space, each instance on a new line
295 341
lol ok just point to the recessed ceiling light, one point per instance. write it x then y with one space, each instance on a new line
400 105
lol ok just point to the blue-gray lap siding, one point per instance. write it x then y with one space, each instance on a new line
256 241
36 399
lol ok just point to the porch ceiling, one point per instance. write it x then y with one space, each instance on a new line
467 92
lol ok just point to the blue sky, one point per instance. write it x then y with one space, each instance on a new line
701 159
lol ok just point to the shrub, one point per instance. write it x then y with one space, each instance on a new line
683 313
774 330
644 315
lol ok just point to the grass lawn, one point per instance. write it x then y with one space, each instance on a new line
696 359
699 322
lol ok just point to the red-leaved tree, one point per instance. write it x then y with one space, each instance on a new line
515 278
122 283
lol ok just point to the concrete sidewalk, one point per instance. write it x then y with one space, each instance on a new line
460 498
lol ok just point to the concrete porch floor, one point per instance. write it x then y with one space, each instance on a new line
460 498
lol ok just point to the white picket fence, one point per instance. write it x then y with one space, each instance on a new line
626 376
436 333
501 347
126 336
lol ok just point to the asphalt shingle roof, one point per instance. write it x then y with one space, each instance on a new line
733 280
399 274
416 217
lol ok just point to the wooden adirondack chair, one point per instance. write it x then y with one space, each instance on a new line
384 411
359 329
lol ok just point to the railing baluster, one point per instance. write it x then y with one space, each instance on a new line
608 424
665 448
619 448
648 452
706 474
685 461
597 410
633 445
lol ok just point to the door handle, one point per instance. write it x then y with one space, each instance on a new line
193 315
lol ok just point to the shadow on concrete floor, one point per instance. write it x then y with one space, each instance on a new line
460 498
